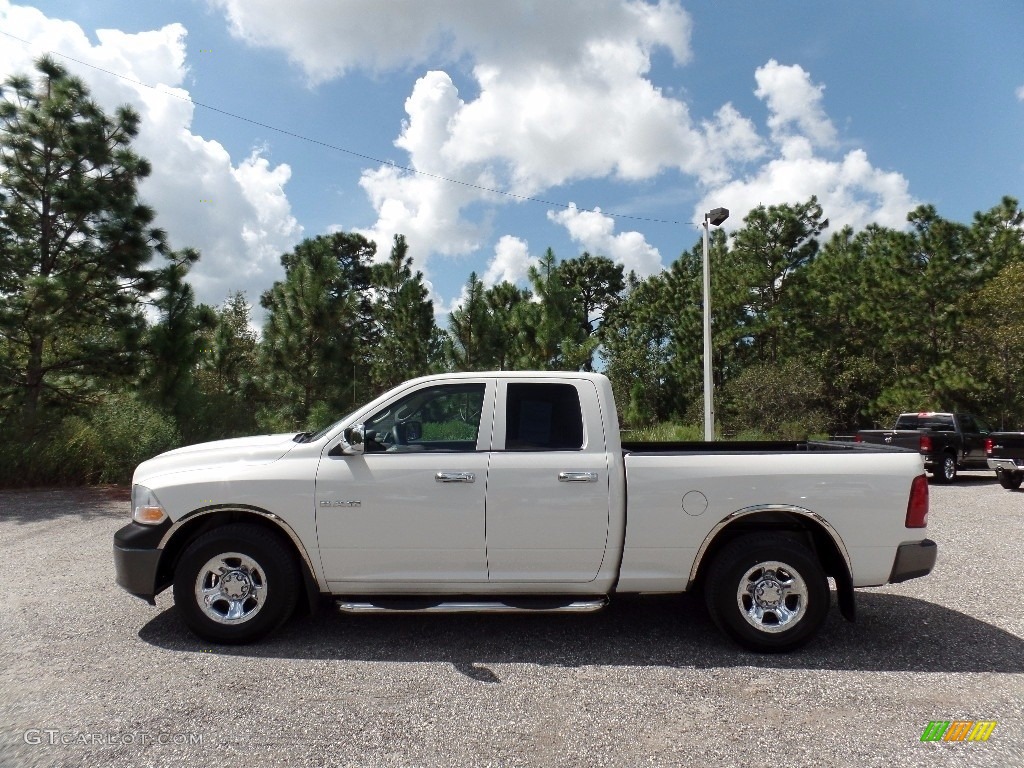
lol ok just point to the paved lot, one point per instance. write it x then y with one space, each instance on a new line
93 677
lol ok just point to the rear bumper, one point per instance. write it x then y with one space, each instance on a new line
137 559
913 560
1005 465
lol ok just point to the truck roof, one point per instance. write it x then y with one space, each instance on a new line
514 375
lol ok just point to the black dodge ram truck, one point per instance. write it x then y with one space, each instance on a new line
949 442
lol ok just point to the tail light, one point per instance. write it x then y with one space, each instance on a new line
988 446
917 507
858 439
926 444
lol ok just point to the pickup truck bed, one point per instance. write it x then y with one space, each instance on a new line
753 446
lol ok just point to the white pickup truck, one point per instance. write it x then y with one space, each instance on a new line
512 492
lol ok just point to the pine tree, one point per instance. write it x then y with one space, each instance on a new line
318 329
407 337
74 242
470 342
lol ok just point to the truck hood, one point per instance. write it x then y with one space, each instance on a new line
261 449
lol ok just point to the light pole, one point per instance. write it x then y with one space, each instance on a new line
715 216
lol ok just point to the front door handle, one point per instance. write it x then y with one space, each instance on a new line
577 477
455 477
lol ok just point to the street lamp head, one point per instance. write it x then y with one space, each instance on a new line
717 215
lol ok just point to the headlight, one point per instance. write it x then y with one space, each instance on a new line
146 508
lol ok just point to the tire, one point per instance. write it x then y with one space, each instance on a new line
947 469
250 580
794 594
1010 480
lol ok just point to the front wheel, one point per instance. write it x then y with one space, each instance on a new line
236 583
767 592
1010 480
946 471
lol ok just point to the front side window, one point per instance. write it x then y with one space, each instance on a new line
543 417
440 418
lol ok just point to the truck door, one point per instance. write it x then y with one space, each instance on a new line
974 433
547 483
411 508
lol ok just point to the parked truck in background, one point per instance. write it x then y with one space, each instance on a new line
1005 452
512 492
949 442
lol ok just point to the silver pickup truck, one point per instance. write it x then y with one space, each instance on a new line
512 492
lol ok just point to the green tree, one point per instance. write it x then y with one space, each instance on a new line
471 333
229 360
595 286
318 329
408 342
995 333
505 303
551 334
175 342
74 241
771 247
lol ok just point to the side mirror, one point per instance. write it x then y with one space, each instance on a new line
355 437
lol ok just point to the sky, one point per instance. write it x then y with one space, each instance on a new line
487 132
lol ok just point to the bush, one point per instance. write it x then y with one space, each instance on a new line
781 401
103 446
665 433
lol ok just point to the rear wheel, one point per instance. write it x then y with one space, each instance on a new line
1010 480
769 593
236 583
946 471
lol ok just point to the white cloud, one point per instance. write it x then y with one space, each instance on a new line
851 191
511 262
794 103
424 206
247 222
328 39
1020 93
595 231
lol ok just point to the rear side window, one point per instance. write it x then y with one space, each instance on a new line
543 417
939 423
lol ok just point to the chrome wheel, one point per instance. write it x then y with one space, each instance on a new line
772 596
231 588
949 469
767 591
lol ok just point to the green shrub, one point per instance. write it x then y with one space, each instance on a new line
667 432
102 446
449 430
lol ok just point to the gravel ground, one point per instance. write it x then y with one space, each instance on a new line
90 676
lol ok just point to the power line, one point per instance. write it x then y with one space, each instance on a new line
336 148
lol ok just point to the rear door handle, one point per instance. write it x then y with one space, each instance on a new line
455 477
577 477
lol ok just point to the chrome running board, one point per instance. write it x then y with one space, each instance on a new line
435 605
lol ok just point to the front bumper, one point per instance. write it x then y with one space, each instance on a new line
913 560
137 559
